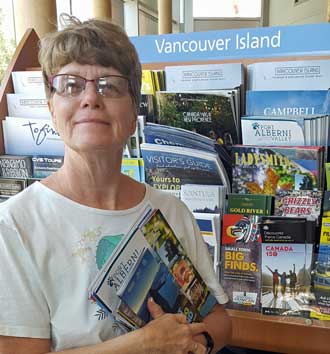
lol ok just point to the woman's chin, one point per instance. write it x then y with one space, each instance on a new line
95 146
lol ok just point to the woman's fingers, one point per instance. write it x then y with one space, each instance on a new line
197 348
197 328
155 310
171 333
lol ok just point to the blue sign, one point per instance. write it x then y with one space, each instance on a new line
261 42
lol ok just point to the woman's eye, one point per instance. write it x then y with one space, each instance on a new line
71 87
109 88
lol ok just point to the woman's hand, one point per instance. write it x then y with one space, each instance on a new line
171 333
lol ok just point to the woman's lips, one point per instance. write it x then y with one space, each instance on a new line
92 121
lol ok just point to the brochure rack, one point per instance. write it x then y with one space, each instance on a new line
252 330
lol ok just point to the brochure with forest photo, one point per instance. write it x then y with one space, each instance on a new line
212 115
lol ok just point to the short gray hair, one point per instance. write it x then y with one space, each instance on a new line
91 42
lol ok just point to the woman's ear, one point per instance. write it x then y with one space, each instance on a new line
51 110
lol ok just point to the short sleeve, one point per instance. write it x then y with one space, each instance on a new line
23 307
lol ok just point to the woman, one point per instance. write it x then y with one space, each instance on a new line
55 235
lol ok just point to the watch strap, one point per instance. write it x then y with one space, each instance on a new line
209 342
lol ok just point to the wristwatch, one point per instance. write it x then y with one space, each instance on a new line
209 342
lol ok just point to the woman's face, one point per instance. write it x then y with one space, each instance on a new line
89 121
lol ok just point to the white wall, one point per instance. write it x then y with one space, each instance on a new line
284 12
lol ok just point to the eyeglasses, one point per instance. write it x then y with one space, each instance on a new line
111 86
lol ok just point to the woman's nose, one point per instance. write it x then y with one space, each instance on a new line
90 96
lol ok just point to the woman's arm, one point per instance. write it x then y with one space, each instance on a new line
217 324
166 334
22 345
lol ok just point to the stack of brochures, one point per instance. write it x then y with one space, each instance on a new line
206 99
150 262
207 203
169 167
28 128
287 103
195 169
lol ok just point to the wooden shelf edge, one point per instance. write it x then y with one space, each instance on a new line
279 334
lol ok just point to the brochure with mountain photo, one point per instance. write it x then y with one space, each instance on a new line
159 134
169 167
